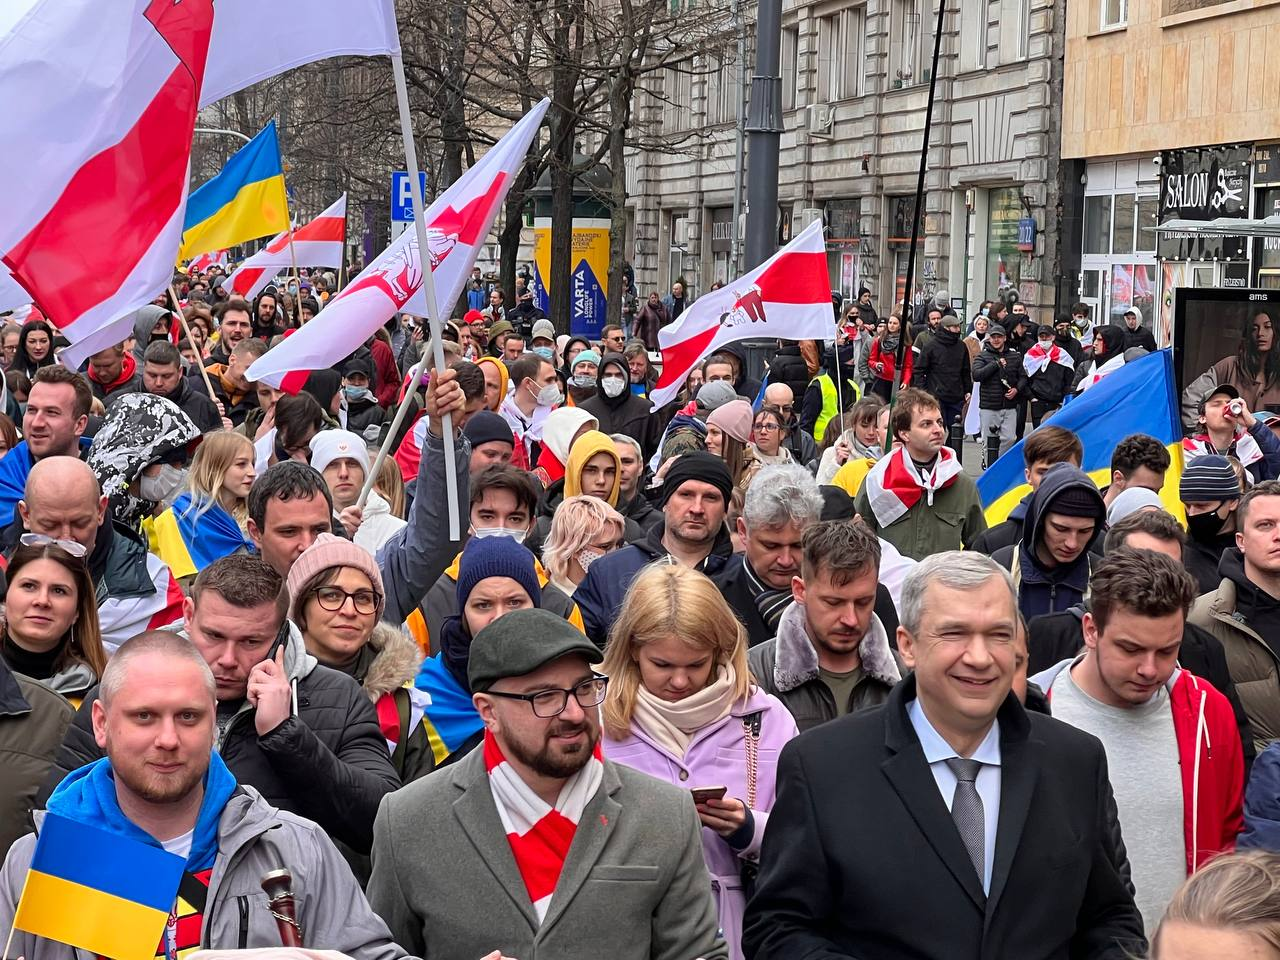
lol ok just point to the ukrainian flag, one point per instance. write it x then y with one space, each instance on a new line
99 891
243 202
1140 397
451 718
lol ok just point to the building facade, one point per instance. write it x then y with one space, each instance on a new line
855 81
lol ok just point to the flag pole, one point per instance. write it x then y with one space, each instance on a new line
839 382
186 330
384 450
429 288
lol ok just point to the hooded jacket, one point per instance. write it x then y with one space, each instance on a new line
128 381
1112 338
599 596
788 366
787 667
144 321
1044 589
1141 337
1246 620
1262 804
625 413
328 762
558 431
387 680
1210 758
943 367
253 838
746 386
1007 533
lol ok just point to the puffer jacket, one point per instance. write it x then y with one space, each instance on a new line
328 762
33 721
943 369
1262 804
253 838
997 380
788 366
387 681
717 756
787 668
1244 618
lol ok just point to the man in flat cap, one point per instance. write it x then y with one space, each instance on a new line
535 845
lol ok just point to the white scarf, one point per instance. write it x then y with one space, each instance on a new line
674 725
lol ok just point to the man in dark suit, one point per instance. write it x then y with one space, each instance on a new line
949 822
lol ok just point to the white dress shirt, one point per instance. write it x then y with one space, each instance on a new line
937 751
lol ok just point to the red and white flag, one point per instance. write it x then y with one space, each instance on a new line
97 122
1038 358
215 258
12 295
457 224
894 485
788 297
318 244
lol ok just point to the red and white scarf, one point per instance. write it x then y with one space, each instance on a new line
1096 372
1244 448
540 835
1038 358
894 485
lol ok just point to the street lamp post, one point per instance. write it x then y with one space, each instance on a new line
764 131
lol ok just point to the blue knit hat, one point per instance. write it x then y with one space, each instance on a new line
485 557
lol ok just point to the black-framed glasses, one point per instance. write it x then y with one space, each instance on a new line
551 703
73 547
333 598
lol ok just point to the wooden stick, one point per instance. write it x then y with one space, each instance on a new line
186 329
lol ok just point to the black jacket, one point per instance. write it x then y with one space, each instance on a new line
193 400
996 380
788 366
1142 337
641 511
1007 533
1201 560
859 832
1051 382
943 367
625 413
1072 346
329 763
364 413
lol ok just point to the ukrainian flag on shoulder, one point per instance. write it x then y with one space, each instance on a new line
243 202
1140 397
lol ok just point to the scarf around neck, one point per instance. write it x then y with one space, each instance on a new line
674 725
88 795
540 834
894 486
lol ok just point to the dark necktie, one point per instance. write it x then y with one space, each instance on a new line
966 811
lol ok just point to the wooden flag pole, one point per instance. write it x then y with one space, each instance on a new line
182 319
429 288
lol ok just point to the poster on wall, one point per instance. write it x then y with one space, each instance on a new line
1173 275
588 280
1203 183
1209 326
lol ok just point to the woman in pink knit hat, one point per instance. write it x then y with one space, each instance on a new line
729 436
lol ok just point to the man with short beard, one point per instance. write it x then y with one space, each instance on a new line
162 783
551 850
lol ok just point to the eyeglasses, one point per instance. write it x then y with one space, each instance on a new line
333 599
767 428
551 703
73 547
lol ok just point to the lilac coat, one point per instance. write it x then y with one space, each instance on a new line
717 756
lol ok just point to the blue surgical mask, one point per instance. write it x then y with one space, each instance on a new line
356 393
546 353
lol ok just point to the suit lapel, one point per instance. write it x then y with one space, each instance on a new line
478 816
599 820
1018 772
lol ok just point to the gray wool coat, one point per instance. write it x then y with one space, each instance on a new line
634 885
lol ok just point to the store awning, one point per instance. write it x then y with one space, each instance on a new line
1223 227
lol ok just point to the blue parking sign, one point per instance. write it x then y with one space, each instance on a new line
402 195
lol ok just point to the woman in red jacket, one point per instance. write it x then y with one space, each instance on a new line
884 356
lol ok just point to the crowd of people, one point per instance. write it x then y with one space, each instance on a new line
749 676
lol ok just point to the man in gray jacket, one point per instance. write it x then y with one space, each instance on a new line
534 845
161 780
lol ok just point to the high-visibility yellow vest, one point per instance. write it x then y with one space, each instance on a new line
830 402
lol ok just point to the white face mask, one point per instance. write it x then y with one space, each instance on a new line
481 532
547 396
164 486
613 386
587 556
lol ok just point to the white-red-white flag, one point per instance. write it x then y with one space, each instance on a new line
788 297
11 293
318 244
97 118
457 224
214 258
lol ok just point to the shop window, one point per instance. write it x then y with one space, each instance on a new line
1097 225
1122 223
1004 260
1144 239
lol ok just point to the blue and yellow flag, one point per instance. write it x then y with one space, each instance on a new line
1140 397
188 539
98 891
243 202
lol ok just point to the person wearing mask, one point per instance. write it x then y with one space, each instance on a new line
209 519
729 438
943 369
584 529
594 469
584 373
365 415
1051 563
972 793
779 506
1106 357
343 460
883 358
162 376
1044 449
999 369
1135 334
187 793
336 601
1228 909
113 372
1229 428
618 410
495 575
1050 370
536 823
1254 371
1064 338
1156 720
491 439
1244 611
1080 320
134 589
541 335
535 395
1210 493
846 462
632 503
562 428
831 655
50 628
918 498
694 498
683 707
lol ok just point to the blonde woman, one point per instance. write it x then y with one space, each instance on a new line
682 707
583 530
1230 907
207 521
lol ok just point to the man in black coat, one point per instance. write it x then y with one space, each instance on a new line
943 369
619 410
949 822
305 736
162 375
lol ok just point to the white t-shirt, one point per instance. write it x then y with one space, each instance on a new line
180 846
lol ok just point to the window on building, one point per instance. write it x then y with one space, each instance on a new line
1114 12
842 54
714 87
1144 240
1123 208
790 66
911 44
677 92
1015 30
1097 225
973 35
